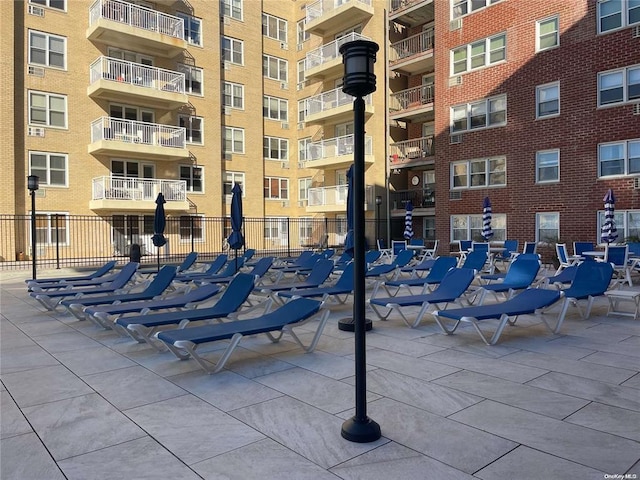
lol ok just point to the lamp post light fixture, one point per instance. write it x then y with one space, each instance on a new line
378 203
33 184
359 80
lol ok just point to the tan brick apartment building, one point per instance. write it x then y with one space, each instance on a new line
533 104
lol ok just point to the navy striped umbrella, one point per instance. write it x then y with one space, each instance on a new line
487 232
609 232
159 223
408 221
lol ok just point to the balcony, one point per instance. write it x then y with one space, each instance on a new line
326 61
336 152
412 105
334 199
333 106
326 17
413 54
129 26
127 82
423 201
139 194
411 153
117 136
411 12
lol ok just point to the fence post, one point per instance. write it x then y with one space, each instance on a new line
288 236
57 242
193 246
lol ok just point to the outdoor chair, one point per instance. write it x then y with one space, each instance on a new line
564 258
101 272
634 249
464 246
494 277
521 275
417 270
302 267
233 267
398 246
559 280
258 272
430 252
343 286
292 262
186 264
60 286
618 257
437 273
385 253
390 269
505 256
210 268
579 247
318 275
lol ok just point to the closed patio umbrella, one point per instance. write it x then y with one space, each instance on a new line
236 239
487 232
408 221
609 232
159 223
348 240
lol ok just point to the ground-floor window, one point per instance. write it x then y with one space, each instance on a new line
469 227
627 223
52 228
547 227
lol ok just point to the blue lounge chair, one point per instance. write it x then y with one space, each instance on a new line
530 301
417 270
52 287
184 342
259 270
474 261
186 264
401 260
103 270
248 254
494 277
233 267
304 266
521 275
344 286
291 262
505 256
559 280
318 275
51 300
212 269
453 285
440 268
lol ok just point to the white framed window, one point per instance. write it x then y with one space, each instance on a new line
485 172
232 50
302 35
276 188
482 53
469 227
274 27
301 73
47 49
229 180
195 128
233 95
304 184
619 158
547 33
232 9
275 229
275 148
489 112
460 8
233 139
275 68
192 79
619 86
303 146
132 169
51 228
627 222
50 167
47 109
302 110
548 100
617 14
54 4
194 176
547 227
192 29
548 166
275 108
305 229
191 228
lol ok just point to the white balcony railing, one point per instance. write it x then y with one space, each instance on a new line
138 189
121 71
411 46
335 196
410 149
411 98
328 100
402 4
330 51
333 147
321 7
142 133
136 16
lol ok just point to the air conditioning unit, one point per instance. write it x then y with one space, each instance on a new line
302 203
226 110
35 71
636 183
302 164
455 24
226 20
284 126
284 164
455 195
226 156
284 86
285 203
226 65
299 85
636 109
455 81
300 46
35 132
454 139
35 10
300 125
284 46
635 32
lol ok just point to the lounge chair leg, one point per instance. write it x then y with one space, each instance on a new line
316 338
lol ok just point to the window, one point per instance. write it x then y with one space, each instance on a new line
464 7
232 8
193 176
489 172
274 27
479 54
55 4
192 78
616 14
274 68
305 229
233 95
302 110
194 126
191 228
548 100
275 229
276 188
232 50
47 49
619 86
275 148
52 228
627 222
192 29
547 34
301 74
50 167
304 184
233 140
47 109
230 179
275 108
619 158
303 36
303 146
469 227
490 112
547 227
547 166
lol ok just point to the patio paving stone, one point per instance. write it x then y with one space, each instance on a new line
24 457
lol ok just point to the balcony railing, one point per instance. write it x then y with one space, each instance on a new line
136 16
331 99
138 189
333 196
321 7
333 147
330 51
130 131
411 46
421 198
410 149
121 71
411 98
401 5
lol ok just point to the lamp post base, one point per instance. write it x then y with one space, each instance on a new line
348 325
359 431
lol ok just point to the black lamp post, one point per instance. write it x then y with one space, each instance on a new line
33 183
378 203
359 80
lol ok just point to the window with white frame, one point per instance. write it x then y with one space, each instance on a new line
52 228
230 179
194 126
194 176
275 68
232 50
305 229
304 184
489 112
232 9
47 49
275 148
47 109
616 14
486 172
627 222
55 4
275 108
547 227
274 27
619 158
233 139
275 229
276 188
301 73
548 166
50 167
547 33
482 53
192 78
469 227
548 100
619 86
302 110
191 228
303 35
192 29
303 146
460 8
233 95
